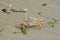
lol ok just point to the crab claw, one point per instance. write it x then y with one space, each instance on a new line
42 21
39 22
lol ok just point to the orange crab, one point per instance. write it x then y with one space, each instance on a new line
31 22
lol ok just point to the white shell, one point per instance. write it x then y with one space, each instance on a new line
26 10
9 5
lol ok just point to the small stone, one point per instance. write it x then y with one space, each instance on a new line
38 13
44 4
5 10
15 32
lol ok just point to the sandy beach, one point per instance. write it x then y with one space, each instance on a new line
8 21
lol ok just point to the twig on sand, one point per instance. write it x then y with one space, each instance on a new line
19 10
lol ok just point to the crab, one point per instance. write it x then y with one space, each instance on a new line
30 22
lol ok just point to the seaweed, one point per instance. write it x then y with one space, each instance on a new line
52 22
23 29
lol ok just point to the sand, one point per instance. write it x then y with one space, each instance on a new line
8 21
